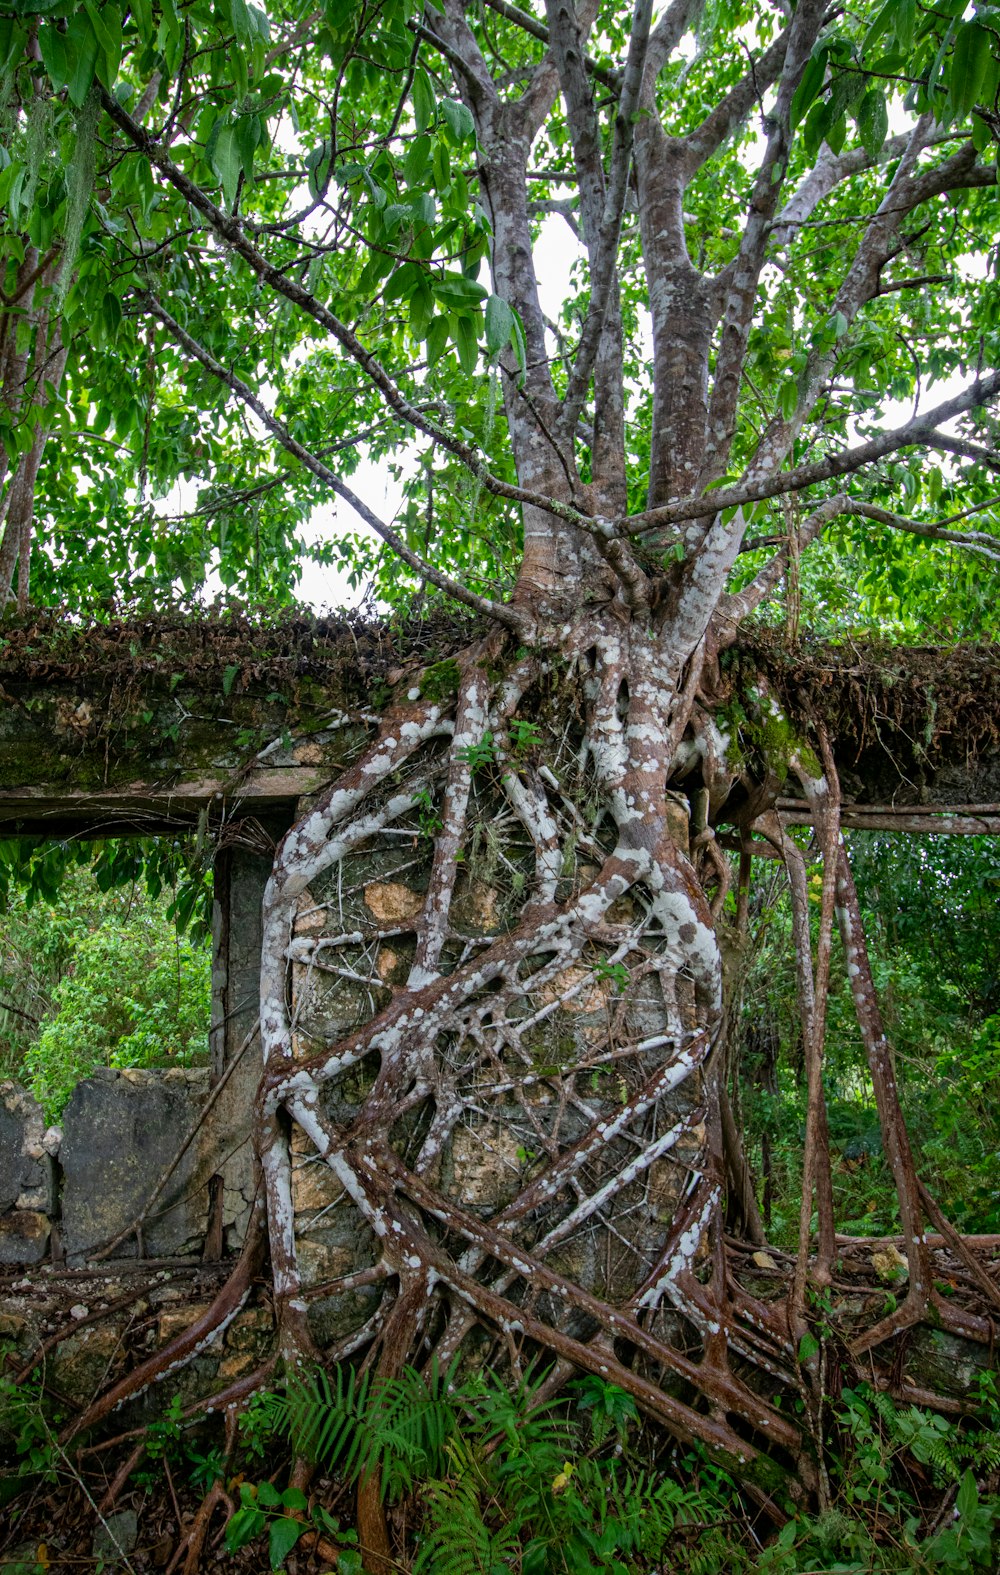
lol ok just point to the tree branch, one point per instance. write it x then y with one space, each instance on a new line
667 34
513 13
829 170
604 247
706 139
973 541
744 272
861 283
232 233
919 432
512 617
732 609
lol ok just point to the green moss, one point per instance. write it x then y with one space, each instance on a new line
774 736
28 762
440 682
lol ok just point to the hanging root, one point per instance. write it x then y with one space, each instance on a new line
839 895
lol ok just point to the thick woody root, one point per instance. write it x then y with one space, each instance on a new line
609 955
916 1205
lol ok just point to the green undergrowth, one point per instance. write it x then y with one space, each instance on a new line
480 1478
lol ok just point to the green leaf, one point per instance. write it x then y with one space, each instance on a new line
227 163
454 289
518 344
967 1500
403 283
441 166
969 62
808 1347
499 325
883 22
789 398
810 85
424 101
466 342
228 679
906 23
242 1527
82 50
13 38
873 122
421 310
459 119
437 339
107 25
285 1533
55 55
836 134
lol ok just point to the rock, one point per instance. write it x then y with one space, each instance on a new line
763 1260
889 1264
170 1324
24 1236
392 903
120 1131
314 1185
25 1162
319 1261
85 1362
236 1366
486 1164
251 1332
116 1536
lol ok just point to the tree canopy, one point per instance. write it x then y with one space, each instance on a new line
206 206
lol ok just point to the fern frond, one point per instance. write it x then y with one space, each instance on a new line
456 1539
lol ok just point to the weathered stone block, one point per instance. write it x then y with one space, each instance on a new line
24 1236
85 1362
120 1131
25 1152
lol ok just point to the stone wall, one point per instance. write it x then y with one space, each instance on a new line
67 1190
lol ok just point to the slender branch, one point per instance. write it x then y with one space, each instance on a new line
744 272
920 432
829 170
513 13
513 617
948 443
667 34
706 139
879 244
972 541
231 231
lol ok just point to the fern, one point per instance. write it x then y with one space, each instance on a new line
933 1440
397 1427
456 1539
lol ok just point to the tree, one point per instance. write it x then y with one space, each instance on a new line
259 250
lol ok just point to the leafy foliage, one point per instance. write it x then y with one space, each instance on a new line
343 137
497 1484
97 977
931 914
